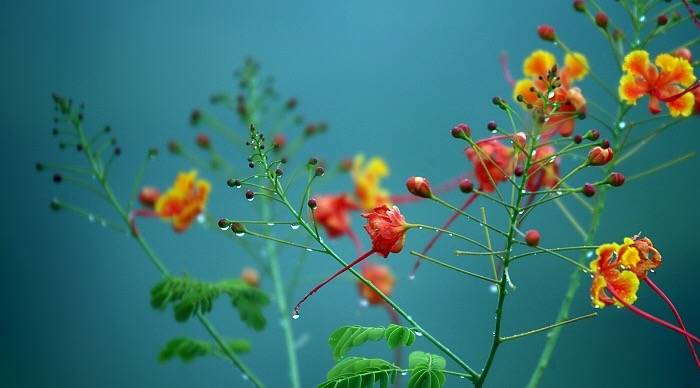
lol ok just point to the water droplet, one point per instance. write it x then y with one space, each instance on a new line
411 277
91 218
418 333
642 18
250 199
201 218
295 316
622 124
225 227
238 186
404 373
559 192
309 250
523 191
493 288
294 226
494 131
245 377
241 234
589 254
551 94
270 224
420 228
461 377
364 302
521 211
450 234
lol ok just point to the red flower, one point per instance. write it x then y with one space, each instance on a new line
544 171
332 212
387 229
493 163
381 277
599 156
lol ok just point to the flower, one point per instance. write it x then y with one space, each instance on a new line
184 201
544 171
387 229
545 80
251 277
640 255
381 277
599 156
367 178
609 269
332 213
148 196
493 163
669 79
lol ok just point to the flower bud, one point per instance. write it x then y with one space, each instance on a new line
532 237
616 179
461 131
174 147
599 156
279 141
579 6
237 228
195 117
683 52
466 185
588 190
345 165
499 102
148 196
518 171
291 103
279 172
662 20
546 32
313 161
676 16
419 186
491 126
520 138
617 34
320 171
249 195
57 178
592 135
251 277
601 19
39 166
578 139
312 204
203 141
55 205
605 144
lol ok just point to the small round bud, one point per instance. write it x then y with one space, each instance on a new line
174 147
461 131
249 195
312 204
578 139
345 165
54 131
237 228
57 178
616 179
279 141
491 126
601 20
291 103
251 277
588 190
320 171
79 147
39 166
313 161
231 182
55 205
499 102
532 237
284 160
599 156
605 144
579 6
279 172
117 151
592 135
518 171
195 117
251 165
148 196
662 20
107 129
223 223
203 141
683 52
310 129
546 32
466 185
419 186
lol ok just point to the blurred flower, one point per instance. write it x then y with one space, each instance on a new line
544 171
148 196
250 276
367 178
545 81
387 229
381 277
332 213
184 201
493 163
669 79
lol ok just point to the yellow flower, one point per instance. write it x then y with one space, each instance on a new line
670 80
367 178
184 201
609 273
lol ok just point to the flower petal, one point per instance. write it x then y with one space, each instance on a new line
575 66
631 88
538 63
636 62
675 69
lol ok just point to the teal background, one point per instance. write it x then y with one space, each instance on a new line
391 78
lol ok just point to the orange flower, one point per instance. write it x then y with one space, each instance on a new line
332 213
251 277
184 201
541 69
609 270
640 256
387 229
669 79
381 277
493 163
367 178
544 171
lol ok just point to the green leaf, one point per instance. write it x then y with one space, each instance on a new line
399 335
347 337
426 370
190 296
359 372
187 349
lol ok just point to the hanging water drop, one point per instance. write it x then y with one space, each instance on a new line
294 226
224 226
201 218
418 333
404 373
240 234
250 199
622 124
270 224
245 377
411 277
309 250
364 302
642 18
295 316
589 254
103 223
91 218
559 192
493 288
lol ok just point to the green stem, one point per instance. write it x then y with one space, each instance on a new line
548 327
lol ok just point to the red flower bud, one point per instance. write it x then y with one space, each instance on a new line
461 131
174 147
203 141
466 185
578 139
518 171
381 277
684 52
601 19
532 237
419 186
251 277
662 20
491 125
148 196
546 32
593 135
599 156
520 138
279 141
579 5
616 179
588 190
387 229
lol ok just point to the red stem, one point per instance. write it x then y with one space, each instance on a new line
503 59
447 224
139 213
666 299
335 275
691 12
678 95
355 241
650 317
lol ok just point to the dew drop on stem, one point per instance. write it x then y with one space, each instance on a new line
295 316
294 226
240 234
91 218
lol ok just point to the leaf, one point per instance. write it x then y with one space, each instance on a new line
184 348
347 337
187 349
426 370
359 372
190 296
399 335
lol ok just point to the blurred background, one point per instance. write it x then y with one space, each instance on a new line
391 79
